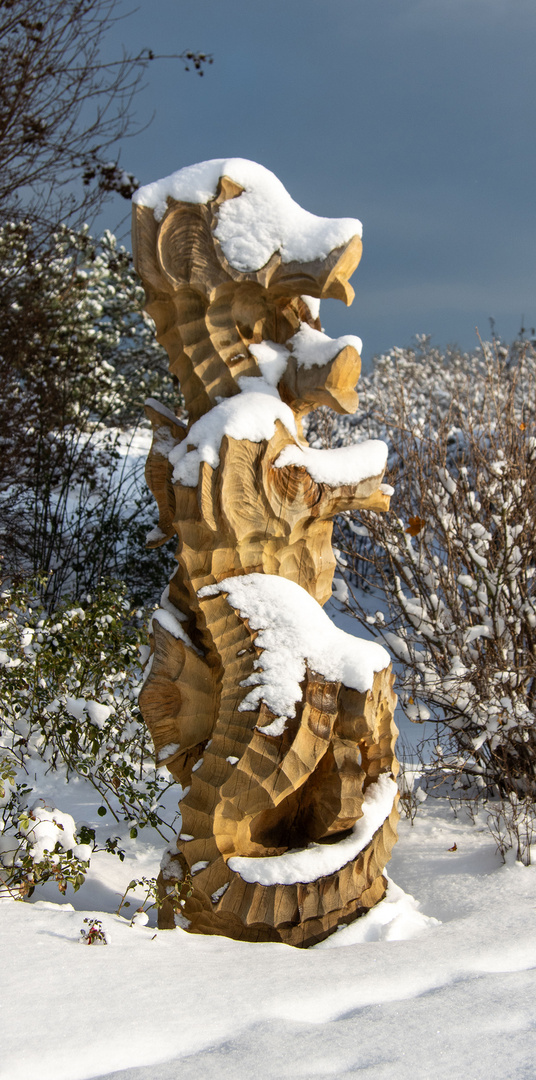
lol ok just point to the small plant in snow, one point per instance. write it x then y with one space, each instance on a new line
176 895
92 933
412 795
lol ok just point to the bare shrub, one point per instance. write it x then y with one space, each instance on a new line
512 823
453 564
64 106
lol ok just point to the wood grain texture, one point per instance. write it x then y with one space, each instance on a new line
248 793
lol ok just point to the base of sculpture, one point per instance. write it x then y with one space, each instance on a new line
298 913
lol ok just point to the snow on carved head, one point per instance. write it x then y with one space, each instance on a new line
261 220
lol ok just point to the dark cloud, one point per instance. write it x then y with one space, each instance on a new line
417 117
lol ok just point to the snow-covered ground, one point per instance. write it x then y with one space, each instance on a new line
437 981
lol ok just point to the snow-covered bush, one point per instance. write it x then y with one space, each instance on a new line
41 844
74 339
68 703
453 565
77 360
512 823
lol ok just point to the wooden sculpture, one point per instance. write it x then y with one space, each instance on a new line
278 726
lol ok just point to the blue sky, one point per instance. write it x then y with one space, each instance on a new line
416 116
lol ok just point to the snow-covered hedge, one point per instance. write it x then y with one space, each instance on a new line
77 359
452 566
68 704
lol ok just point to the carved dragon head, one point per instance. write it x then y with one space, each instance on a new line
213 300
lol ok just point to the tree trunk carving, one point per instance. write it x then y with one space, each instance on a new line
278 726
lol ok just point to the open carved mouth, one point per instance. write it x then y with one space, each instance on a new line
324 858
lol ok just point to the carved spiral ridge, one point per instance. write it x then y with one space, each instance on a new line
287 819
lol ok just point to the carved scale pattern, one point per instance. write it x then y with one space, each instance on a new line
249 793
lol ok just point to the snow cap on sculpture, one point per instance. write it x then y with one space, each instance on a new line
226 234
257 218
